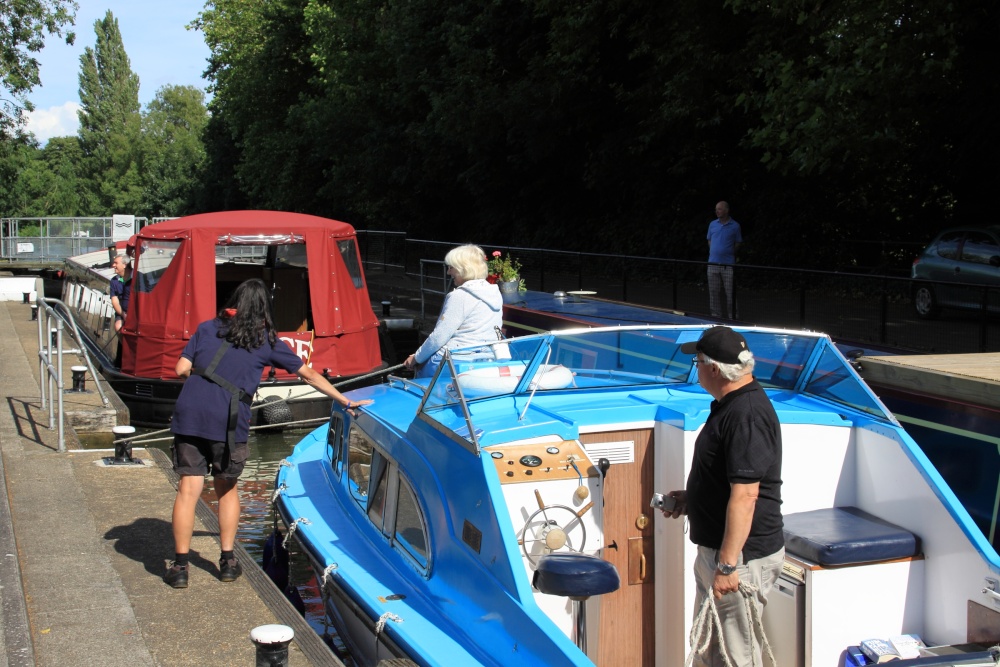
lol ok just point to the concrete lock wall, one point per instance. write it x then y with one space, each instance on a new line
12 288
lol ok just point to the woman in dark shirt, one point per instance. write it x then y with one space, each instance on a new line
222 364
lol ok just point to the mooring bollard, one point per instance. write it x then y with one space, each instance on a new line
272 644
27 297
123 449
34 312
386 306
80 380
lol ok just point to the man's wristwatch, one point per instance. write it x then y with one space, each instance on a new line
725 569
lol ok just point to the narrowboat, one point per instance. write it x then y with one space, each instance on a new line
183 272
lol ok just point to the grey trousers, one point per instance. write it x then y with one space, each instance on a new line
721 299
743 643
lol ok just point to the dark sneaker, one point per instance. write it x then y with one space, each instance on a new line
229 570
177 575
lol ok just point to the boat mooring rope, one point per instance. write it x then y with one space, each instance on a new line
292 528
327 578
277 492
147 437
708 622
380 626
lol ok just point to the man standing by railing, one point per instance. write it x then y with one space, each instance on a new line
724 239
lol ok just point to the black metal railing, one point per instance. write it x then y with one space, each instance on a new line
868 310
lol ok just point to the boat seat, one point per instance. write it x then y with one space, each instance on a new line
575 575
846 536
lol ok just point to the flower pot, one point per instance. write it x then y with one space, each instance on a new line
510 291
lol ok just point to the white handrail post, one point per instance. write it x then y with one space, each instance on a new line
42 370
60 384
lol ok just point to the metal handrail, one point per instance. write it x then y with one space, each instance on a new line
428 290
50 373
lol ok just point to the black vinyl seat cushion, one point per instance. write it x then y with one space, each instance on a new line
846 536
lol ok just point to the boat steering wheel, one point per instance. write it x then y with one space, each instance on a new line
553 535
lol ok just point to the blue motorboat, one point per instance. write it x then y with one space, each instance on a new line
499 512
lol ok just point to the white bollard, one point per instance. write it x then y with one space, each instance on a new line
272 644
123 450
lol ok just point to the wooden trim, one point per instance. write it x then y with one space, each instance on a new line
809 565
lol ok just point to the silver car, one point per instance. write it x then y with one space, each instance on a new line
957 261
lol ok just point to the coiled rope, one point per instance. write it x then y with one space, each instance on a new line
708 622
148 437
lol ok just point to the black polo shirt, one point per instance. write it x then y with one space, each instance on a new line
740 443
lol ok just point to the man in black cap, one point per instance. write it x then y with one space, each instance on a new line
733 495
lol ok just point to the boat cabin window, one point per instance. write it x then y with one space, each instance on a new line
290 255
349 253
410 534
359 464
154 258
376 504
334 442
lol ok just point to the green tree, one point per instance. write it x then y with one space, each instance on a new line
173 150
610 124
261 69
23 27
49 184
110 123
882 101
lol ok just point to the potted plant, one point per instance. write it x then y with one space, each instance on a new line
505 272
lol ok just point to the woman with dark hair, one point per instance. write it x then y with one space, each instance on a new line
222 364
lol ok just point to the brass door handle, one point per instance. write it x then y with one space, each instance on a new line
642 567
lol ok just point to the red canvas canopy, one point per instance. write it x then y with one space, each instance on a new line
175 280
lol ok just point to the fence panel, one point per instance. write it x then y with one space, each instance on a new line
870 310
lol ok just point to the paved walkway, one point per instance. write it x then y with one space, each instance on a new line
84 546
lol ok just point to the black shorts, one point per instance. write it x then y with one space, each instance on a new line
194 456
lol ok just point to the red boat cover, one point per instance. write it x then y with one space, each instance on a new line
161 320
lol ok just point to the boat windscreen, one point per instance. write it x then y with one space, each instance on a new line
833 380
580 360
779 358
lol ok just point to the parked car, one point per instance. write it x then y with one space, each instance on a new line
956 261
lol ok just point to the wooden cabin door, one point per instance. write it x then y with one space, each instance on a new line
627 618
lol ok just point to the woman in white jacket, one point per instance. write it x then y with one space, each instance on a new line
472 313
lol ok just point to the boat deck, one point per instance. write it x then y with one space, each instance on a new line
91 542
972 378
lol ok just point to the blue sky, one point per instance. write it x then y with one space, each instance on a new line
161 50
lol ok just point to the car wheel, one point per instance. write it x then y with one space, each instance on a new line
924 302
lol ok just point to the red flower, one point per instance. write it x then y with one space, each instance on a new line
492 279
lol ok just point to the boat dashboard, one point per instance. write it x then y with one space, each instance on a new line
540 462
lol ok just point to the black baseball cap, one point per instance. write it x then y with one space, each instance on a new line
721 344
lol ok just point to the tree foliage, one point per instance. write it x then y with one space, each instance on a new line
611 124
23 27
173 154
600 125
110 121
50 183
125 160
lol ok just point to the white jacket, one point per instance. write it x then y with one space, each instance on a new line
470 316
